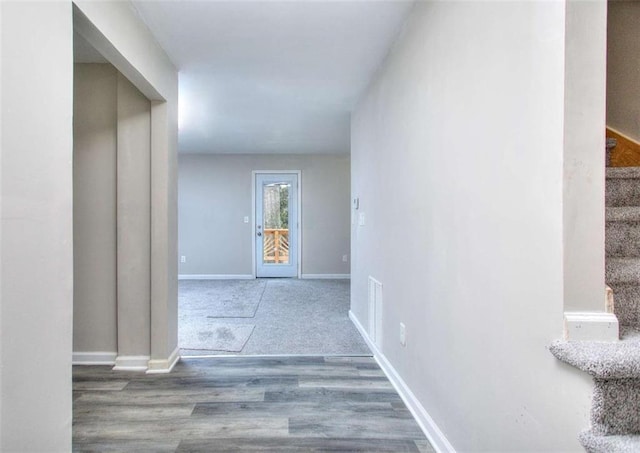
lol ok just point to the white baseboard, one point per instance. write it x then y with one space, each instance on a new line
131 363
94 358
326 276
164 365
426 423
215 277
590 326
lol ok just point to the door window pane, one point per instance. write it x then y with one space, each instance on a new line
275 203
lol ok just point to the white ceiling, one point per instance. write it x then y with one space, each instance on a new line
271 76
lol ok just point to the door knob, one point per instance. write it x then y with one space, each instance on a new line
259 233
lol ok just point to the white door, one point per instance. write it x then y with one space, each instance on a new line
277 224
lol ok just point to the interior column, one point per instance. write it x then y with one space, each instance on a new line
133 228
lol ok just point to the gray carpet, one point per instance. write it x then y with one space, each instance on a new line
216 336
221 298
292 316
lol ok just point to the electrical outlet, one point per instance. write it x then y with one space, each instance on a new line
183 259
246 219
403 334
345 258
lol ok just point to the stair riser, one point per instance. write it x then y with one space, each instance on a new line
627 304
617 273
623 239
622 192
615 406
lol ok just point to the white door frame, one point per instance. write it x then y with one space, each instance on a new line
254 173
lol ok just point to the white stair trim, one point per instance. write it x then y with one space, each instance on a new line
590 326
162 366
215 277
131 363
326 276
422 417
94 358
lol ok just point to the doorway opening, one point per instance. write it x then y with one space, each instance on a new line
272 243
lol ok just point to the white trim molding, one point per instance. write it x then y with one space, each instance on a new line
426 423
590 326
162 366
215 277
94 358
326 276
131 363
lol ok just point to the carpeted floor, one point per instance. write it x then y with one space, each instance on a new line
267 316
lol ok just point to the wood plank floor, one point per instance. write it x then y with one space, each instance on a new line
273 404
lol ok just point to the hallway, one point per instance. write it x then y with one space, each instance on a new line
244 404
451 165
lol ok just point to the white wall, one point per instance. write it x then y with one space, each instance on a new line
457 158
112 217
36 250
623 74
215 196
36 254
133 221
94 208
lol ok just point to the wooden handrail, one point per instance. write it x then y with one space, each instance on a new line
626 153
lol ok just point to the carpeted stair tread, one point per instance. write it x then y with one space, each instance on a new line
622 214
594 443
622 270
623 172
603 360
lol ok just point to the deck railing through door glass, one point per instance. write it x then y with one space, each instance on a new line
276 245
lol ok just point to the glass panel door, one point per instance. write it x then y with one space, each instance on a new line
276 225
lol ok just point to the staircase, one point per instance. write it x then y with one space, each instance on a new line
622 244
615 366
